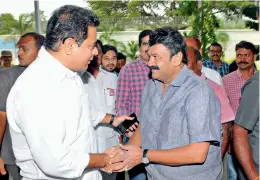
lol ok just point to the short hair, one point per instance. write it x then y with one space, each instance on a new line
69 22
108 47
121 56
142 34
246 45
196 53
100 44
198 43
172 39
215 44
37 37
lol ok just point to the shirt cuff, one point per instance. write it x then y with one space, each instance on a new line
99 117
203 138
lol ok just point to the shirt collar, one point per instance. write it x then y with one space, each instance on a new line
239 73
203 76
180 78
221 62
60 70
104 71
141 61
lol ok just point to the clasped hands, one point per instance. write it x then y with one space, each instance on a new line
122 158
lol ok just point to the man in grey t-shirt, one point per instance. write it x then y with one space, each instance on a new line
28 47
179 135
246 130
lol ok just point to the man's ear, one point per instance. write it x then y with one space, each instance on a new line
200 50
199 63
177 59
69 44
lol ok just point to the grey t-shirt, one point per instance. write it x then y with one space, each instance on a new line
7 80
188 112
248 116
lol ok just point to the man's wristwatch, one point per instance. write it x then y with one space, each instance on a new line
145 160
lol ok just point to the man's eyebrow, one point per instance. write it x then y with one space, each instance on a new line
153 54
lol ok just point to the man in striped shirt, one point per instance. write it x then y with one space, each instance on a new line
130 85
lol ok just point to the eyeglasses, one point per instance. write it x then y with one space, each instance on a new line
215 51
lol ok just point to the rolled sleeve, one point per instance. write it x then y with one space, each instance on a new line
248 111
44 128
203 115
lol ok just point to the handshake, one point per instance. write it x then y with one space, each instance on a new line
122 158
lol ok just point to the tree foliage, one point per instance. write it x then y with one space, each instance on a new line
24 23
202 21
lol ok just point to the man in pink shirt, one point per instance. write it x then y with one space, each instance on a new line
233 82
227 114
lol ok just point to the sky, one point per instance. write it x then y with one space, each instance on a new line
16 7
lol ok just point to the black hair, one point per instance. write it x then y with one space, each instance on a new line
142 34
170 38
121 56
215 44
246 45
108 47
100 44
69 22
37 37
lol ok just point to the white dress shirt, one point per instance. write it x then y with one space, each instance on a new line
102 94
212 75
50 123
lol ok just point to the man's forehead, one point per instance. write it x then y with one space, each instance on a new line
145 39
158 48
26 40
191 43
243 50
215 47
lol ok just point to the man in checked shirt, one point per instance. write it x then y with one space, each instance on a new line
130 85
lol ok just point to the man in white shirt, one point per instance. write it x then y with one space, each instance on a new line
209 73
100 85
50 119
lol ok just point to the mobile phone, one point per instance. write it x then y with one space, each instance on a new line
122 128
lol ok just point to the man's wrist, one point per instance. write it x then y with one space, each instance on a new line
105 159
112 118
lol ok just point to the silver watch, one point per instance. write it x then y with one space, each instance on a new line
145 160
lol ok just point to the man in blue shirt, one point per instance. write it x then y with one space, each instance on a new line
179 135
215 53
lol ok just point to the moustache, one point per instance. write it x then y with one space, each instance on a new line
154 67
111 65
243 63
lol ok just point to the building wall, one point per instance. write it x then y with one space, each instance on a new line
235 36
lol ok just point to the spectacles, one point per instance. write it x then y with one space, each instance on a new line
215 51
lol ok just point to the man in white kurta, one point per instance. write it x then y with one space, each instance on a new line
102 92
50 121
61 97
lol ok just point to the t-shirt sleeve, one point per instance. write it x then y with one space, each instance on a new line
248 111
4 91
203 115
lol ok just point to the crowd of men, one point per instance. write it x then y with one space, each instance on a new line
59 108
